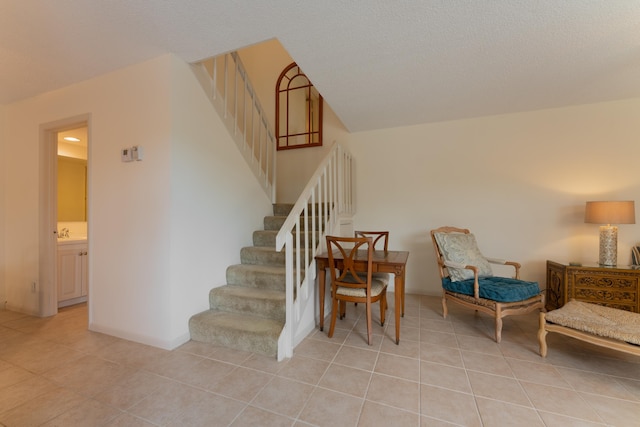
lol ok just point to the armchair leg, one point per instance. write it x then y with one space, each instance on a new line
498 328
445 311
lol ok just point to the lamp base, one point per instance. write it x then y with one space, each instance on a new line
608 245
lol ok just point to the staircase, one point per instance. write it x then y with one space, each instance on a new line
248 313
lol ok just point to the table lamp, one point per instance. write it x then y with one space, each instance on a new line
609 213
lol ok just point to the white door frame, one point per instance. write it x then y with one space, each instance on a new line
48 208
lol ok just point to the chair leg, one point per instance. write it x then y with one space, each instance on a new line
334 314
369 323
383 308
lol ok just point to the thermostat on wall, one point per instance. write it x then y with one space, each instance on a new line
136 153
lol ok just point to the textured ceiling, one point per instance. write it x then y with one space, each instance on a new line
378 63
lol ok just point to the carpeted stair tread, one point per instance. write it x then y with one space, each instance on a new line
242 299
257 276
268 237
239 331
262 255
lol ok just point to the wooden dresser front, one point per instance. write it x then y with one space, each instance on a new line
616 286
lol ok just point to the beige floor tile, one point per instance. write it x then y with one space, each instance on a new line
41 409
360 358
264 363
166 403
445 376
22 392
444 372
377 415
499 388
486 363
398 366
317 349
560 401
88 375
593 383
128 420
129 391
436 325
346 380
540 373
439 338
552 420
616 412
406 348
483 344
449 405
88 413
439 354
495 413
327 408
252 417
130 353
304 369
395 392
207 410
283 396
241 384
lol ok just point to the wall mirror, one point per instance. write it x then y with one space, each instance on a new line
298 110
72 175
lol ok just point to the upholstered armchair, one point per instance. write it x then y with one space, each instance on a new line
467 279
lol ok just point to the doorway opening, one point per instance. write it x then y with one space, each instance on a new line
64 214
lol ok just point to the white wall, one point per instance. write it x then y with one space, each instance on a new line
153 250
518 181
217 202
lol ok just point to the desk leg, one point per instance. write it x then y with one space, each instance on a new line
399 299
321 290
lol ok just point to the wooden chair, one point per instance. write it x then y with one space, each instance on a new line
349 285
467 279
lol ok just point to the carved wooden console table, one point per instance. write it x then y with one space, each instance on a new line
617 287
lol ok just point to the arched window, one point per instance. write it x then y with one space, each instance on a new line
298 110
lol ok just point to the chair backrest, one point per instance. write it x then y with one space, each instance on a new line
343 254
377 236
444 272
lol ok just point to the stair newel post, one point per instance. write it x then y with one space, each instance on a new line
287 334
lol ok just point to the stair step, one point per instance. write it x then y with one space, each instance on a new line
262 255
282 209
241 332
243 299
276 222
268 237
257 276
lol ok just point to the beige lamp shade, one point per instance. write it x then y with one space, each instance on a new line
610 213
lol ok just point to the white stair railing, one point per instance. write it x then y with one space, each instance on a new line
327 197
225 81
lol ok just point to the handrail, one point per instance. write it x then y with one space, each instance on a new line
227 85
327 196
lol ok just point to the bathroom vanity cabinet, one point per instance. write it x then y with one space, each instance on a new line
72 272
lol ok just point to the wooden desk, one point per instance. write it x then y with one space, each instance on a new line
383 262
614 286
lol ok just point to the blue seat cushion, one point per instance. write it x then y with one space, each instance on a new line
501 289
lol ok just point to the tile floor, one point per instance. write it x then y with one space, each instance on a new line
53 372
